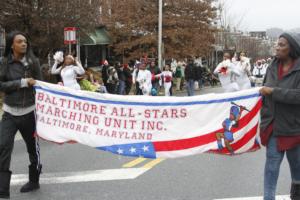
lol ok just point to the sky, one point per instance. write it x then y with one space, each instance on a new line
260 15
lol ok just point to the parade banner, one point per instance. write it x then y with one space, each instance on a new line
149 126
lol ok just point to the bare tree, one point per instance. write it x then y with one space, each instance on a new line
44 20
187 29
227 18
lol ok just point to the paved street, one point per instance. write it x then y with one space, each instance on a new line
78 172
147 47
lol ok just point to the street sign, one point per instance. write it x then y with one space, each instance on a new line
70 35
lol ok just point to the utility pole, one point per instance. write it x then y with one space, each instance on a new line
78 45
160 34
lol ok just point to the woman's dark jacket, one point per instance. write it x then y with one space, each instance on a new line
11 73
283 106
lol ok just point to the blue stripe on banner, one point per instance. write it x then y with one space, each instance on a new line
145 149
149 103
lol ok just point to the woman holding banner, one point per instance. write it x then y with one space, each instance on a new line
18 71
280 124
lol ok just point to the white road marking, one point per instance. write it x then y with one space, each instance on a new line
284 197
18 136
83 176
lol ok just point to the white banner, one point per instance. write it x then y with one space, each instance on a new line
149 126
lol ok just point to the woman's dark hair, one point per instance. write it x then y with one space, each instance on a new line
31 59
9 42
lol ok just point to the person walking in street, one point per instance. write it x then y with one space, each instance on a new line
128 82
190 78
154 69
182 83
280 115
70 69
244 67
228 74
112 80
178 76
19 71
166 77
143 77
199 75
104 75
122 78
259 70
135 73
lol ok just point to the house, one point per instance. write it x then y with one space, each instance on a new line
94 46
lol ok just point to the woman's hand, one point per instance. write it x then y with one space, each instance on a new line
31 81
266 91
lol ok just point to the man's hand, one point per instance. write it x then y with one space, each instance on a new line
266 91
31 81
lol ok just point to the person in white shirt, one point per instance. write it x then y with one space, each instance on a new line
244 67
143 77
228 74
69 71
166 77
259 70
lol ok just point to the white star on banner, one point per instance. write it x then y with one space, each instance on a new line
120 151
146 148
132 150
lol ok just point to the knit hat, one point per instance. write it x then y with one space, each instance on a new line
294 42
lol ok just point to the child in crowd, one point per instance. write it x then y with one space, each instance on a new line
166 79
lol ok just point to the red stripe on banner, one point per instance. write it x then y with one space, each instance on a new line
239 144
255 147
245 139
204 139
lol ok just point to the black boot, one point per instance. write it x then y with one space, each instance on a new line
295 191
34 178
4 184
